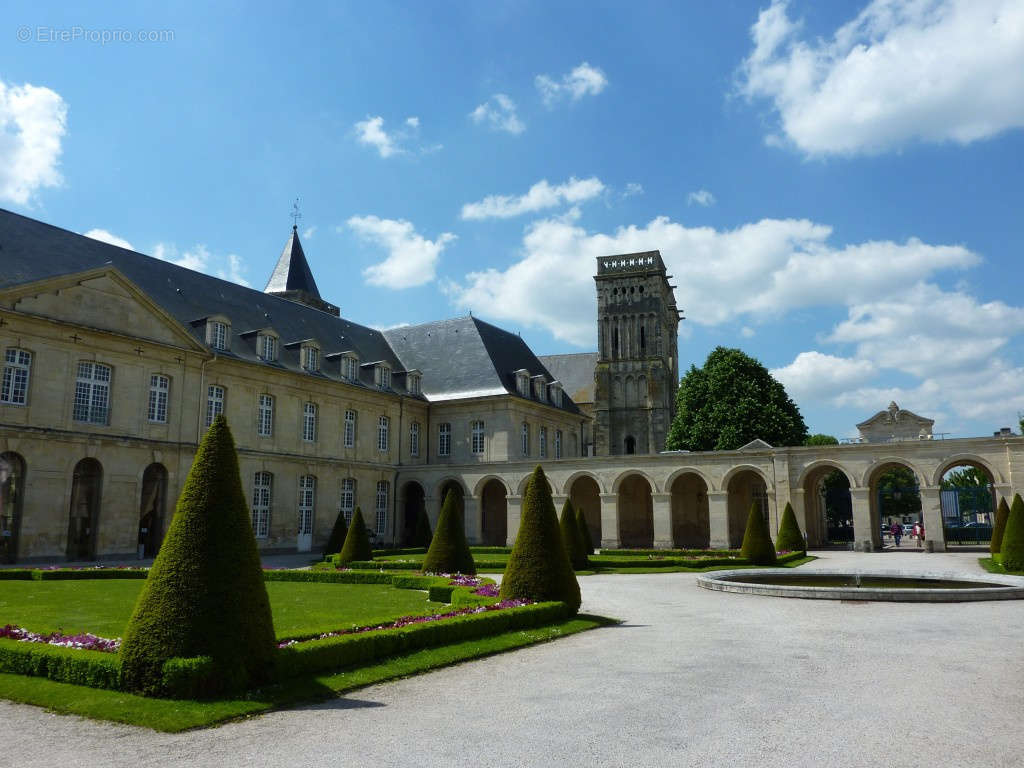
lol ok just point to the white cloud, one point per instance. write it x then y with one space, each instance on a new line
701 197
199 258
412 259
371 131
813 374
108 237
632 189
233 272
541 195
583 80
901 71
308 232
412 122
747 332
33 121
499 112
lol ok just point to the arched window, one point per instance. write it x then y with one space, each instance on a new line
630 445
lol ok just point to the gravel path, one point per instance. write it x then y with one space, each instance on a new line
693 678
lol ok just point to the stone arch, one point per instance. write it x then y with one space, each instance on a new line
521 489
745 485
691 521
152 509
738 468
828 507
84 510
12 503
494 513
625 475
688 471
483 481
450 482
887 462
818 464
967 505
567 485
584 491
875 504
413 501
635 511
966 460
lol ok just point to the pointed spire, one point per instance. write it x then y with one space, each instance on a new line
292 272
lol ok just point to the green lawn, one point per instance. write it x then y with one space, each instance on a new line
990 565
103 607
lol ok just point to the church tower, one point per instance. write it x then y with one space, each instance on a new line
637 370
292 278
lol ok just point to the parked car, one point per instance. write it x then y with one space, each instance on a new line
908 529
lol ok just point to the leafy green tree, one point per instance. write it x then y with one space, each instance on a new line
449 550
337 537
572 538
820 439
790 537
899 493
757 548
581 521
204 595
1002 514
965 477
1011 548
357 541
538 567
731 401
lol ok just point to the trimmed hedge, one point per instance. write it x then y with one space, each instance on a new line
790 539
572 539
449 550
396 552
357 541
757 546
399 565
539 568
422 535
331 577
491 550
585 537
95 669
1011 548
668 552
338 533
70 574
205 594
334 653
999 529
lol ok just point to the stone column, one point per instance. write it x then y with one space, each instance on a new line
559 501
609 521
864 535
718 517
662 520
514 512
931 512
808 527
433 506
474 523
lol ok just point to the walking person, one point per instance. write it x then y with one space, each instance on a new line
897 533
919 533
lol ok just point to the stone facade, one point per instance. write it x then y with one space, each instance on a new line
894 424
637 371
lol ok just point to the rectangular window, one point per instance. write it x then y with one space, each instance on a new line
309 413
265 416
262 488
350 368
523 385
414 384
477 437
92 393
542 448
382 506
383 424
311 358
384 377
526 439
159 388
444 440
348 498
414 439
214 403
267 348
17 365
558 443
307 496
350 429
218 335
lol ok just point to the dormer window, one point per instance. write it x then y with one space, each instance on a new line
218 334
413 383
555 393
349 367
539 388
310 354
382 376
523 382
266 347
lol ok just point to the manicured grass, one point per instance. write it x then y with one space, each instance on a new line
990 565
681 569
300 608
172 715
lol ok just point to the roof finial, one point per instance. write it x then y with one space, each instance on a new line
295 215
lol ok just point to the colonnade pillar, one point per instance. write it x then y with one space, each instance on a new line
473 519
609 521
513 514
931 512
865 538
662 504
718 519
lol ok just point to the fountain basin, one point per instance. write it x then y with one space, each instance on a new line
894 585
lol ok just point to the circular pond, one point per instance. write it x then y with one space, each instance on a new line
902 586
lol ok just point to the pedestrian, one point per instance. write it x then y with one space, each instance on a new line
918 533
897 532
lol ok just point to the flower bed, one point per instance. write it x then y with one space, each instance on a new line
83 641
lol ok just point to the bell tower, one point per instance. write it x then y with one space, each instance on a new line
637 370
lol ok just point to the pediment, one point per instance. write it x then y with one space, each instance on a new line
757 444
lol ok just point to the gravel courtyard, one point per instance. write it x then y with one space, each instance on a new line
692 678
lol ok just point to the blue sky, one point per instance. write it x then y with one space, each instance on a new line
837 187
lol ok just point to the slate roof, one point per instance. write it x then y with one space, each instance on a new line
292 272
466 357
575 371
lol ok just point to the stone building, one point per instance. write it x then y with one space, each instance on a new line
894 424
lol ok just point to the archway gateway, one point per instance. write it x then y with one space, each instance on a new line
151 509
636 513
413 504
691 522
494 514
967 500
745 488
84 512
828 507
894 497
585 494
12 500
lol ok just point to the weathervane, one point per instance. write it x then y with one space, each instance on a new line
295 214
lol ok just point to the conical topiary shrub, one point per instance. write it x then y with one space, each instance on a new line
757 546
790 538
337 538
539 568
449 550
357 541
572 539
1011 548
421 534
581 522
205 594
1002 513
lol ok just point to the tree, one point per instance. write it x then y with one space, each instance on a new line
820 439
572 538
581 521
449 550
731 401
338 533
757 548
790 538
898 492
357 541
538 567
1002 513
965 477
1012 546
205 594
422 534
